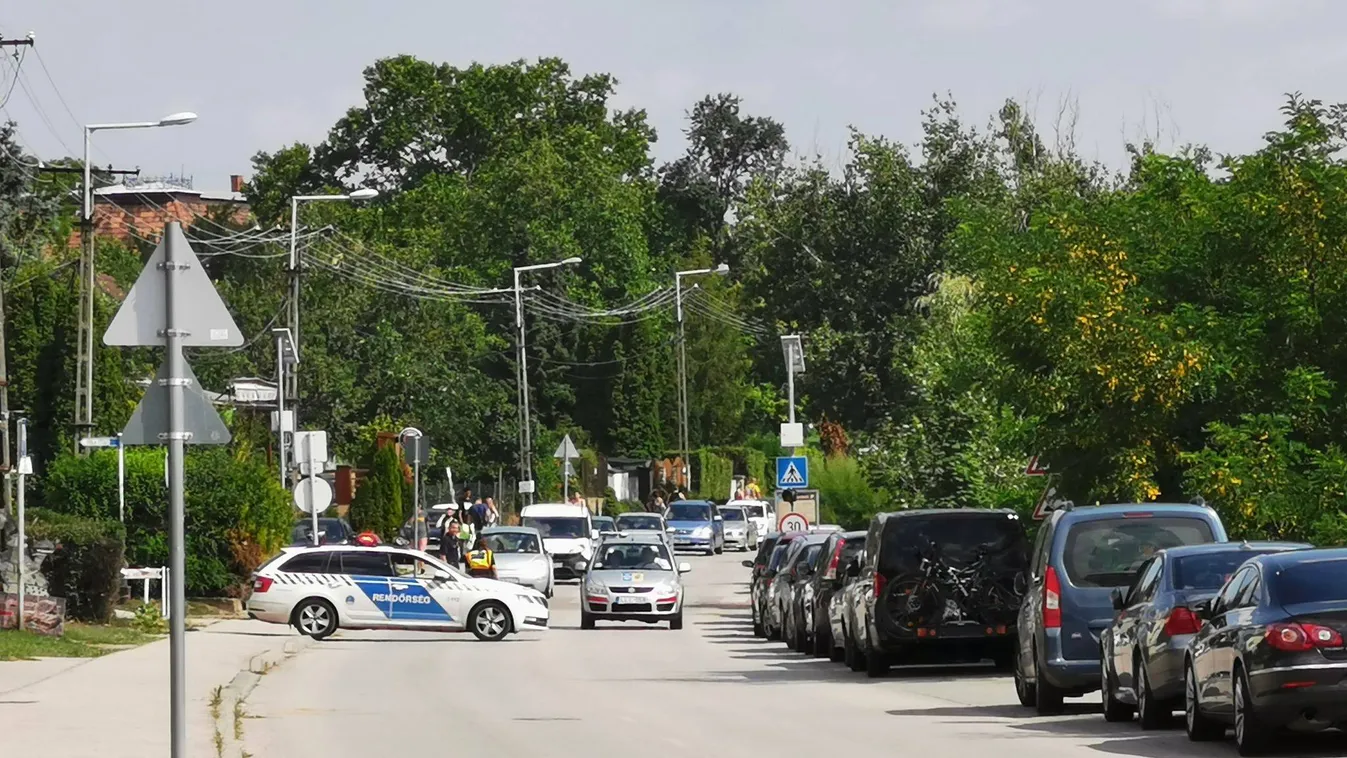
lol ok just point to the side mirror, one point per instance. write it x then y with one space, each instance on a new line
683 568
748 564
443 576
1117 597
581 565
718 518
593 534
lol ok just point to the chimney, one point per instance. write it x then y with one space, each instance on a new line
235 183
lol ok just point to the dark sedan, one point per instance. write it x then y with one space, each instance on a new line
1270 653
796 590
1142 652
331 531
816 599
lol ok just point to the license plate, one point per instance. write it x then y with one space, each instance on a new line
630 600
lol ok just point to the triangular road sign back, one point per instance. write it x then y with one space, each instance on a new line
792 475
1036 467
151 417
201 312
566 450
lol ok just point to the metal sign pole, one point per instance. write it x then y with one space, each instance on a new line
313 499
177 562
280 406
416 502
121 479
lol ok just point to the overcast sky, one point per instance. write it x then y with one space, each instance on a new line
265 74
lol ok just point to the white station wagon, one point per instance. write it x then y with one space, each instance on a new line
321 589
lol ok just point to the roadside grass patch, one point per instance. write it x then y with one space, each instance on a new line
80 641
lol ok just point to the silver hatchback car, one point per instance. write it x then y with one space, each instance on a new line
633 577
520 557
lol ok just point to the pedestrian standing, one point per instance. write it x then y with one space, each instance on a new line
492 513
481 561
451 546
478 513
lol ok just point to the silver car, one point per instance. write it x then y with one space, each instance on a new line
633 577
520 557
640 522
741 531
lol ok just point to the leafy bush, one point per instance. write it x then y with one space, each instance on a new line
237 513
86 567
378 502
845 497
713 474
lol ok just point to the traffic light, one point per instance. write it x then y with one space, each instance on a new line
788 496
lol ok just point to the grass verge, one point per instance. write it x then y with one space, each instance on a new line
80 641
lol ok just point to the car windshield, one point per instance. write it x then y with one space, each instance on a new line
330 531
1313 581
755 511
1107 552
1208 571
638 521
512 542
650 557
558 527
604 524
689 512
732 514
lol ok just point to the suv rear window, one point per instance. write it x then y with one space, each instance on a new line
1107 552
956 536
1314 581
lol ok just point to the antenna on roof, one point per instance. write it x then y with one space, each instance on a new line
1199 500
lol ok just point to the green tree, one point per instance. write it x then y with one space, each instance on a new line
378 503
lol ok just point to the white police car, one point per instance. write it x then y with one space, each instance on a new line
320 589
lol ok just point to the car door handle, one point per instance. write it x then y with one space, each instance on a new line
399 586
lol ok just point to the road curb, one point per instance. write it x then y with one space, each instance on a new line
227 703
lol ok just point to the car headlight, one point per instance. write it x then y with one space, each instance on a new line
595 587
664 590
702 531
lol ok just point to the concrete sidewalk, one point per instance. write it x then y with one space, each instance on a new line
116 706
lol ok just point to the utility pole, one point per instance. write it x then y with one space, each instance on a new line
684 443
25 42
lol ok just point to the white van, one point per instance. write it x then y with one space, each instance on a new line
568 535
760 512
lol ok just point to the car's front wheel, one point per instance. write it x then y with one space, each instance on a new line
316 618
490 621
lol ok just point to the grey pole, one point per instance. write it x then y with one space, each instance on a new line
526 465
280 405
685 469
22 551
790 398
294 311
313 474
177 561
121 479
416 499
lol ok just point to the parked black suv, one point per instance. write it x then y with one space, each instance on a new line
939 583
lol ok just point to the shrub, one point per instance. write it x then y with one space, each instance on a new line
86 567
378 502
713 474
845 497
237 512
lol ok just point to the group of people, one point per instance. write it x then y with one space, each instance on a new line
461 544
658 503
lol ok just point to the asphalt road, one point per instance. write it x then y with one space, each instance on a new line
709 690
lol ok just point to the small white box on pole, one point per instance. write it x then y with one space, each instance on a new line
310 446
792 435
285 420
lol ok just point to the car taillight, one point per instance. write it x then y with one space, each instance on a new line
831 572
262 584
1182 620
1299 638
879 585
1052 600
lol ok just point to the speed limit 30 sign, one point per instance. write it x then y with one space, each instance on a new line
792 522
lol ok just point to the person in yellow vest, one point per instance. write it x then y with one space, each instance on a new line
481 561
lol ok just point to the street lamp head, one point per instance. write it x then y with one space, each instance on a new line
364 193
177 119
722 270
571 261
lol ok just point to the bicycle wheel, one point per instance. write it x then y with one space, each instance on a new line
914 604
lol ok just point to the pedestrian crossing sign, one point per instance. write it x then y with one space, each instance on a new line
792 472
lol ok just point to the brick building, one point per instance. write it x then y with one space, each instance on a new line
144 207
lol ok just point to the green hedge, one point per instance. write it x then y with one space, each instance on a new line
712 474
237 513
86 567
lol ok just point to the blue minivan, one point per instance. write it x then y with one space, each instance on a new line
1079 557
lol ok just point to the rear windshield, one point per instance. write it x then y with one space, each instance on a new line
755 511
1312 582
957 539
778 555
1107 552
850 549
638 521
765 549
1209 571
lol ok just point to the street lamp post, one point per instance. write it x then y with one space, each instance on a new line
358 195
84 374
525 422
415 434
683 434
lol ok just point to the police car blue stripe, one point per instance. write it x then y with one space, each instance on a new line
414 603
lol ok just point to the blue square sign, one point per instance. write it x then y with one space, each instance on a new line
792 472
